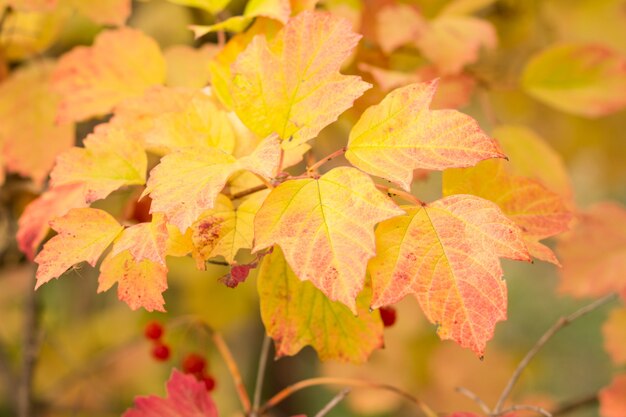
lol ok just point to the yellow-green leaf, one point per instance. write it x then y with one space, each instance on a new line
211 6
274 9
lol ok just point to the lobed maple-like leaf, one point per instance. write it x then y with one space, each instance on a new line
187 182
186 397
401 134
297 314
33 225
144 241
613 398
447 254
538 211
224 230
593 253
583 79
30 139
122 63
291 85
325 228
614 332
83 235
109 160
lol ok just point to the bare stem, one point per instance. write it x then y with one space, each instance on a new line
232 368
349 382
312 170
560 323
400 193
472 396
258 387
333 402
524 407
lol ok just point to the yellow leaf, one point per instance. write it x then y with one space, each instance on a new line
188 181
122 63
178 244
30 138
297 314
25 34
274 9
83 235
325 227
211 6
292 86
109 160
187 66
447 254
401 134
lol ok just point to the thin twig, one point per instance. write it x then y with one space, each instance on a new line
333 402
349 382
222 347
399 193
312 170
29 351
560 323
245 193
574 405
524 407
472 396
258 387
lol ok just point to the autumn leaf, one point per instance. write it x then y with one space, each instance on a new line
397 25
33 225
186 397
139 283
583 79
109 160
291 85
144 241
83 235
447 254
189 67
401 134
613 398
187 182
33 5
104 12
325 229
211 6
614 332
279 10
297 314
25 34
224 230
29 136
122 63
593 253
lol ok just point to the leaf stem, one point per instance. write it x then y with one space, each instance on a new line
349 382
245 193
400 193
222 347
560 323
312 170
333 402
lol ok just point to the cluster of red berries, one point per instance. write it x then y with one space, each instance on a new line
193 363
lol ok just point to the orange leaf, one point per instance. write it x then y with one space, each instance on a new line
614 331
105 12
292 86
400 134
144 241
613 398
447 254
325 229
83 235
121 63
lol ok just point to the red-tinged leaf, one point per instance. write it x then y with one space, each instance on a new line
187 182
401 134
325 228
29 137
109 160
593 253
33 225
83 235
186 397
398 25
447 254
104 12
139 283
291 85
122 63
614 331
189 67
297 314
613 398
144 241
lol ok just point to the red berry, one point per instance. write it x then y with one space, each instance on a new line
194 364
388 316
153 330
161 352
209 382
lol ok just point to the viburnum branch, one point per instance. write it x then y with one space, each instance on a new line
258 387
574 405
312 170
333 402
560 323
399 193
524 407
474 397
348 382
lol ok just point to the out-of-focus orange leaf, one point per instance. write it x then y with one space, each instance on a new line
83 235
614 331
613 398
187 66
397 25
325 228
105 12
448 257
297 314
122 63
593 254
29 136
401 134
291 85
